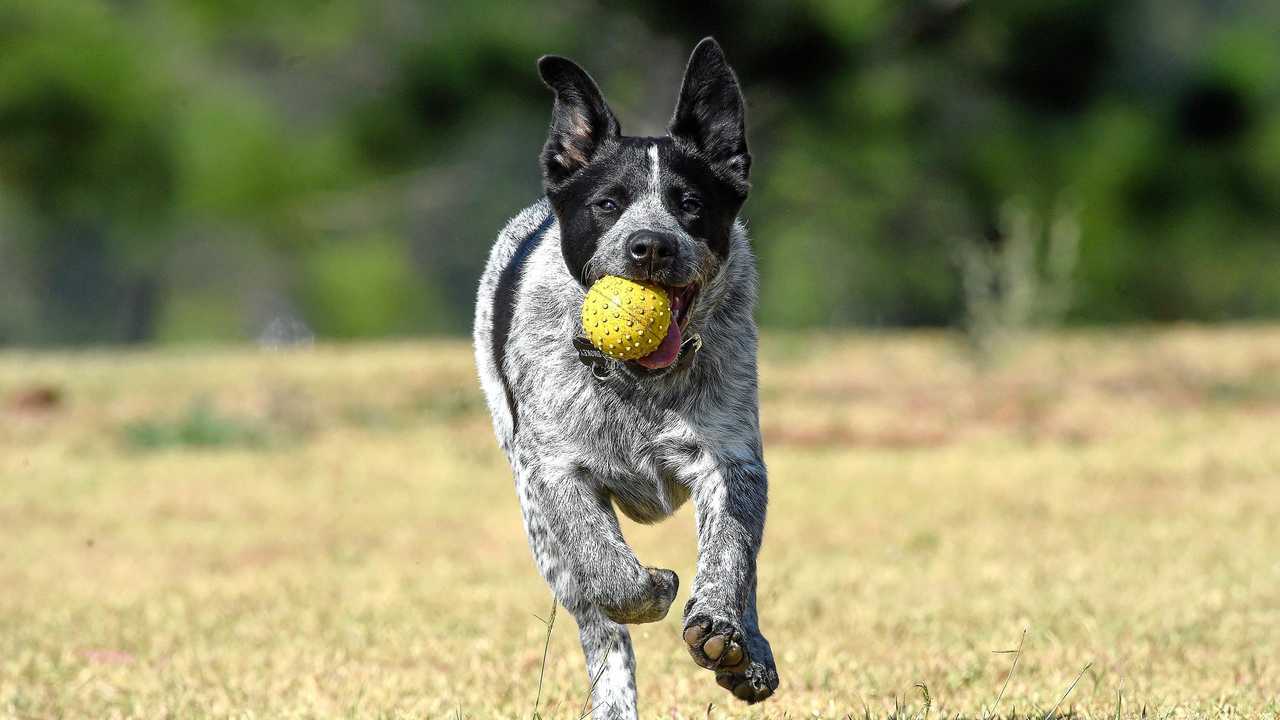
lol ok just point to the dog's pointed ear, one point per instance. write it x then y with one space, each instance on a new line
581 122
710 116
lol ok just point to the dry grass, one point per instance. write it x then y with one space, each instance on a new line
332 533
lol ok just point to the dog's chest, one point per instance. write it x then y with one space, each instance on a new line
647 464
656 481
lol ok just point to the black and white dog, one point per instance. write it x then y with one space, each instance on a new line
584 433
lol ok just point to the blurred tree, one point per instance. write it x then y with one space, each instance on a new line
84 153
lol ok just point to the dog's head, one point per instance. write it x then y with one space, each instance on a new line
650 209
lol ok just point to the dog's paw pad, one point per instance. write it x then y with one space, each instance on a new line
752 685
715 644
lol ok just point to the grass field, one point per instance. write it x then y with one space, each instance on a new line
332 532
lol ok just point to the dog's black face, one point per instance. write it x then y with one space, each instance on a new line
639 196
651 209
617 194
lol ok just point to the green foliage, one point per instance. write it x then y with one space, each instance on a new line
363 289
78 115
363 155
196 316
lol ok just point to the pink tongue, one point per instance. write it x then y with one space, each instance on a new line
666 352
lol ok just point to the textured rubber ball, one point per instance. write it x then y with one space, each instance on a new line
625 319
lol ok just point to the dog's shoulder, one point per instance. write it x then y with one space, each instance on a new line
496 300
517 230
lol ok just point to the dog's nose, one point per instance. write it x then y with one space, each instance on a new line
647 246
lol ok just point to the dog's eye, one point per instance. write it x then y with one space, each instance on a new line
607 205
690 205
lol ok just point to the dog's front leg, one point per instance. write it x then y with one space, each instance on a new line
721 626
578 545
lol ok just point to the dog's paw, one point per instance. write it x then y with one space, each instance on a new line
651 603
716 643
740 656
755 683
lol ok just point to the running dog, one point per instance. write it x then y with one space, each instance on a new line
585 434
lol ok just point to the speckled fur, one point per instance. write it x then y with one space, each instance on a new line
583 447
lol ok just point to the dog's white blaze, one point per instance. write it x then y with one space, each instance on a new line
655 181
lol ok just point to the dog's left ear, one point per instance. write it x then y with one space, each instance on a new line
711 117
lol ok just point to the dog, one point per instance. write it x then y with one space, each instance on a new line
584 433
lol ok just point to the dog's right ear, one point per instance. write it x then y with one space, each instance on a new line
581 122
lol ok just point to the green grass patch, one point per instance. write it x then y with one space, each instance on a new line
201 425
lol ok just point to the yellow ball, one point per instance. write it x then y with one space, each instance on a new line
625 319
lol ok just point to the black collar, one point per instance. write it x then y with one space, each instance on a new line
605 369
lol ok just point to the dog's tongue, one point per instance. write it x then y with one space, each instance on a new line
667 351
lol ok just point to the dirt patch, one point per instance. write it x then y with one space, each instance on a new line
37 399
